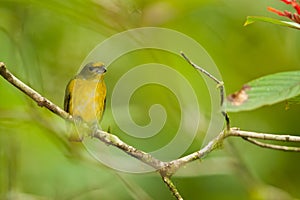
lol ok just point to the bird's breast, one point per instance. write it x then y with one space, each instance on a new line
88 99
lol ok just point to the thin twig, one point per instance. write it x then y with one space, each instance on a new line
263 136
271 146
220 85
172 187
201 69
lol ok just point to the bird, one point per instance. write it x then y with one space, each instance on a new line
85 98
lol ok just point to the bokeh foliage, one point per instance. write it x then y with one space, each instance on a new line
44 43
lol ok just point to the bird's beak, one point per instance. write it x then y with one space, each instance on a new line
101 70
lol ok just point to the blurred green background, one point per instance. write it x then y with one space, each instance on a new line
44 43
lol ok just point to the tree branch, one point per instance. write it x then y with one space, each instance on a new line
174 165
166 169
41 101
113 140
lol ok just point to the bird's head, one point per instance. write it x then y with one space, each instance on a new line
92 70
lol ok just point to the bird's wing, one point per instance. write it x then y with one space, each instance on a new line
68 96
104 106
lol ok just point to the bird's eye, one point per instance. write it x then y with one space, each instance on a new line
91 68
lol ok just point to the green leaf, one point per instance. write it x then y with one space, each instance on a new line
252 19
266 90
